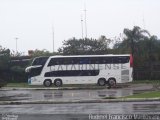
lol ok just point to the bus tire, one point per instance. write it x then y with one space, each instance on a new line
58 82
47 83
102 82
111 82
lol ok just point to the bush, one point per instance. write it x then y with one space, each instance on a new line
2 83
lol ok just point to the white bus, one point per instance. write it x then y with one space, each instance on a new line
81 69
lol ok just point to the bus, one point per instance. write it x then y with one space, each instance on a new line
81 69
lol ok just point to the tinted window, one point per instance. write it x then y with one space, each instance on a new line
107 60
123 59
72 73
70 60
100 60
40 61
84 60
35 71
89 60
63 61
55 61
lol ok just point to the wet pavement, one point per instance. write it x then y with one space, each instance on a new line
62 95
78 111
74 111
66 95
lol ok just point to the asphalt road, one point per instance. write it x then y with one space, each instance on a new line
74 111
61 95
83 111
66 95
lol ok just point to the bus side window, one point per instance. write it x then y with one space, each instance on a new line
59 61
116 60
35 61
120 60
72 61
51 62
107 60
55 61
104 60
76 60
95 60
125 59
91 61
65 61
84 60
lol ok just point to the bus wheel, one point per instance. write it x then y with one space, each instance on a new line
58 82
102 82
47 83
112 82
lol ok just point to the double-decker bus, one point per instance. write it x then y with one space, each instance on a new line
80 69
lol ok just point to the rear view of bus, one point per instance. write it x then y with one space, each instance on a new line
127 73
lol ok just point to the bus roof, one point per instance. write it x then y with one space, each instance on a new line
109 55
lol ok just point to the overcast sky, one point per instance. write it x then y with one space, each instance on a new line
31 21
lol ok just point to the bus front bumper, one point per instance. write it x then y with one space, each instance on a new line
34 81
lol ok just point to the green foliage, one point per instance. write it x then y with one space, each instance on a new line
17 69
132 39
153 94
85 46
43 52
141 44
144 47
4 58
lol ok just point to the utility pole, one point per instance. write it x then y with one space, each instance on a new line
85 13
144 26
16 44
82 25
53 37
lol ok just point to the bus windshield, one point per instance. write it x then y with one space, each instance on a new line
39 61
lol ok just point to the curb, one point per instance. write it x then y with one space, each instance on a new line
80 101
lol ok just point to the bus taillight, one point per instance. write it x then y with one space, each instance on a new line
131 60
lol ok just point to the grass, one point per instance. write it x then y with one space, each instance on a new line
146 81
152 94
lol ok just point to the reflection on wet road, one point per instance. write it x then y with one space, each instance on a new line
29 95
78 111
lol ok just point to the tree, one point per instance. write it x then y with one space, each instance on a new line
44 52
4 65
4 58
135 42
134 36
85 46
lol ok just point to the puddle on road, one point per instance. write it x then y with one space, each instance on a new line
14 95
26 95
